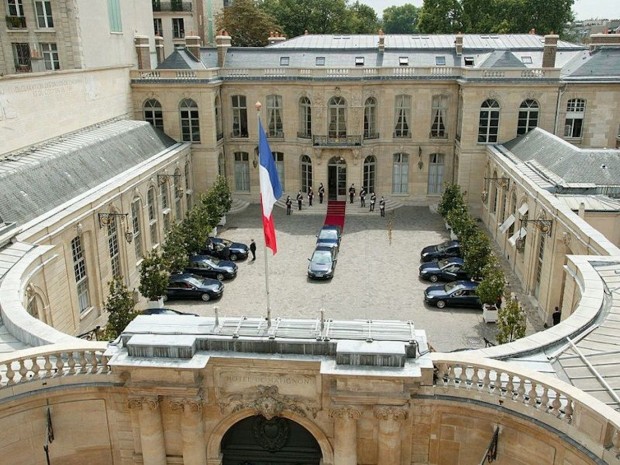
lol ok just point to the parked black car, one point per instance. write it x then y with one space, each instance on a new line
322 263
329 236
211 267
439 251
225 249
165 311
447 269
455 294
189 286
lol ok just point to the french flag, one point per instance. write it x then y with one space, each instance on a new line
270 188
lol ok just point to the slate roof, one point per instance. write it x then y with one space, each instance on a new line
36 181
502 59
604 62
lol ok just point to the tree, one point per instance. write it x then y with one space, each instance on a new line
120 308
451 199
246 23
314 16
511 322
153 276
440 17
476 252
362 20
401 19
175 250
491 288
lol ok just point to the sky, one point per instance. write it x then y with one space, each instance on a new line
584 9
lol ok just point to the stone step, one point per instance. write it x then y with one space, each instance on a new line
238 205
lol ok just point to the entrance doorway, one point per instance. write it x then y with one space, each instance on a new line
337 179
279 441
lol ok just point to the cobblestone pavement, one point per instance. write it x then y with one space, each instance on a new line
376 275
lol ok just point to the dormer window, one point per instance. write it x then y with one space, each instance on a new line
469 61
527 60
359 61
403 61
284 61
440 61
320 61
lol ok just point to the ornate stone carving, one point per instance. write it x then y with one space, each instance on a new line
186 404
272 434
567 238
346 412
134 403
151 403
268 402
391 413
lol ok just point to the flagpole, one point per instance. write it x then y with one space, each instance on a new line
258 108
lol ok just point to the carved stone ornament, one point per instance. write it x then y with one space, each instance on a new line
271 434
566 238
317 155
134 403
268 402
151 403
391 413
188 405
345 412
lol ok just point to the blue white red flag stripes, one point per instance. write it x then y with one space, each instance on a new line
270 188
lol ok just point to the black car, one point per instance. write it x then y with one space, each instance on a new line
322 263
329 236
211 267
165 311
225 249
444 250
455 294
189 286
447 269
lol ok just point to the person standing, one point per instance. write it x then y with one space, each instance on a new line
351 193
253 249
363 197
310 196
289 204
300 199
557 316
382 206
373 199
321 192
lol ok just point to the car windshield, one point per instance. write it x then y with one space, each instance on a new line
321 257
213 261
443 263
226 242
442 247
328 234
193 281
451 286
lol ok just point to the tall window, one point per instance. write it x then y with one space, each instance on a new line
305 117
539 262
528 116
21 57
459 119
240 116
337 117
50 56
278 158
190 122
137 228
15 8
153 113
79 271
113 249
178 195
402 116
274 116
488 125
370 119
178 28
438 126
575 112
114 16
218 118
242 172
306 173
435 173
494 193
370 167
513 212
165 198
221 165
43 11
188 187
152 209
400 173
158 27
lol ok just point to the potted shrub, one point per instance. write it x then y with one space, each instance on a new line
451 199
491 289
511 322
153 279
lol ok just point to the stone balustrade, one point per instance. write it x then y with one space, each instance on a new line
544 398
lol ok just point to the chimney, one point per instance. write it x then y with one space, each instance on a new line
551 48
142 50
458 44
159 49
596 40
222 43
275 38
192 45
381 41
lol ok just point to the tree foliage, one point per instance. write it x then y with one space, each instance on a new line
451 199
440 17
153 276
314 16
362 19
491 288
246 23
476 252
511 322
120 308
401 19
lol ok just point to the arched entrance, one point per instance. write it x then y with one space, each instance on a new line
258 441
337 179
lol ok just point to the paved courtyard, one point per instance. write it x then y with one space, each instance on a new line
376 275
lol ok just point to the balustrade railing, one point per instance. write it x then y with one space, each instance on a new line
333 141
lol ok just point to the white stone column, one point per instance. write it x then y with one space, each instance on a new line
345 435
390 419
151 429
192 430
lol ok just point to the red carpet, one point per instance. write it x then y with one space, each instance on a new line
335 213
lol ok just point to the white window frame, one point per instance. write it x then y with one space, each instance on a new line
528 116
488 122
435 173
242 172
400 173
575 113
402 116
80 272
275 126
370 118
190 120
152 215
305 117
136 227
153 113
306 172
114 16
240 116
49 50
178 28
337 117
438 118
43 11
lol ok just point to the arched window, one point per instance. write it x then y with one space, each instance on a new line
337 117
113 248
152 211
190 122
402 116
306 173
153 113
400 173
575 112
278 158
218 118
242 172
275 127
528 116
435 173
488 125
136 225
370 173
370 119
305 118
240 116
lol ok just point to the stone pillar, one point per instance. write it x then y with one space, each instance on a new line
345 435
389 434
142 50
159 49
151 429
192 430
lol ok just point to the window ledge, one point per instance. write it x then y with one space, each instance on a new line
86 312
166 211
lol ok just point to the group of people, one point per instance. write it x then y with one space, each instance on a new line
321 190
